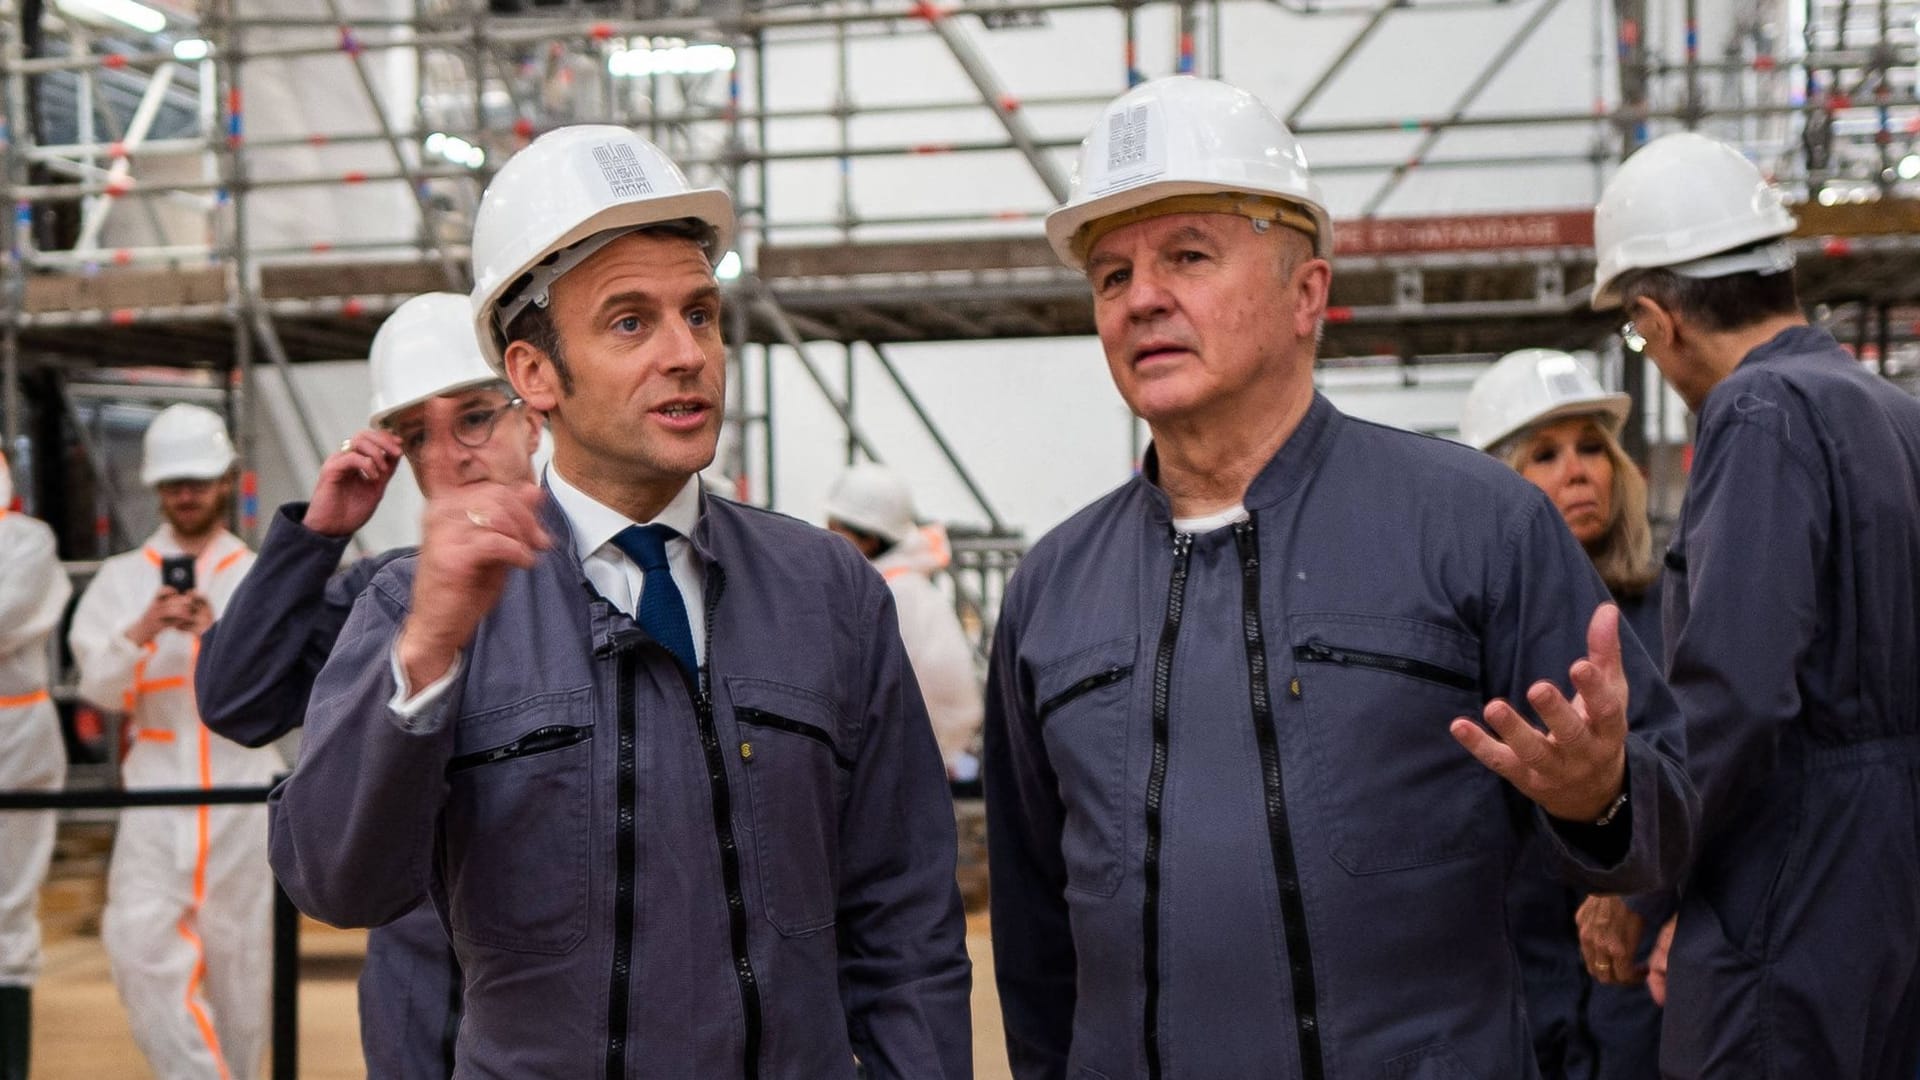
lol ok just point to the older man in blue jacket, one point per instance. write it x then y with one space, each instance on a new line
659 758
1237 825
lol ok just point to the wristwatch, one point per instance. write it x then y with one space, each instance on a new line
1613 809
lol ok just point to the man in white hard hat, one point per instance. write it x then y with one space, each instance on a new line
33 595
1792 582
658 757
870 505
186 926
437 405
1237 826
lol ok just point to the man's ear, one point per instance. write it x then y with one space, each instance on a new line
533 376
1656 326
1312 284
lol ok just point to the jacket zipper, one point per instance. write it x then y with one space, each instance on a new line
762 718
1319 653
1156 788
1293 911
702 687
554 737
621 977
1085 686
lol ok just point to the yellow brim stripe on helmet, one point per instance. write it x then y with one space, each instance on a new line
1239 203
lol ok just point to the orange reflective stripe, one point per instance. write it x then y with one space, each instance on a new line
936 537
206 781
132 697
154 557
194 1004
143 686
21 700
153 735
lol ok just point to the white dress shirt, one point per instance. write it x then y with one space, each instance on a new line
619 578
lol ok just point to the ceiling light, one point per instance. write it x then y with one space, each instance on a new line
128 12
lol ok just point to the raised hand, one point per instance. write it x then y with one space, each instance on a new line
352 482
1578 766
475 535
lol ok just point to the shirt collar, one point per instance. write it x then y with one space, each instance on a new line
595 524
1296 460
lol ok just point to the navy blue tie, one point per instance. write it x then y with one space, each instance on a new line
663 612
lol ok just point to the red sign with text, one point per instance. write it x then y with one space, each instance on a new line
1464 232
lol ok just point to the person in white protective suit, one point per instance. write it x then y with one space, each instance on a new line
870 505
189 892
33 593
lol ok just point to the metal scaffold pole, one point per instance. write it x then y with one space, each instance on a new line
230 53
429 217
13 137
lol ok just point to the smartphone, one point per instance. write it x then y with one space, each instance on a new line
176 572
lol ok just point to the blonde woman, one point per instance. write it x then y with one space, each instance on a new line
1544 414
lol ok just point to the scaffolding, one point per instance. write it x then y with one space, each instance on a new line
120 144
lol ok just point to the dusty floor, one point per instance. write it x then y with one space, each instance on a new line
80 1032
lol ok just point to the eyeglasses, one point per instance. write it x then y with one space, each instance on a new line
1632 339
471 429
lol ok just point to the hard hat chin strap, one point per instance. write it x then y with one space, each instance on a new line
1262 210
1765 260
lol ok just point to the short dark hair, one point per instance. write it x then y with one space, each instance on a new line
1717 304
534 325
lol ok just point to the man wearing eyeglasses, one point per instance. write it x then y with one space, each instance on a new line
1793 580
438 405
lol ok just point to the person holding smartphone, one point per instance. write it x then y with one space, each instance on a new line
189 893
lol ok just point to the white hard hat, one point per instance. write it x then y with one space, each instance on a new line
425 348
1201 141
185 442
1682 202
562 198
873 499
1535 386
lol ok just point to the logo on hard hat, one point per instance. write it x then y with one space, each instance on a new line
1136 148
1127 137
622 170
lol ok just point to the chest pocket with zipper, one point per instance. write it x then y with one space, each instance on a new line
517 820
1378 694
1082 704
798 759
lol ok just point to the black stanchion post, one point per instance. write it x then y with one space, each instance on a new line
286 986
286 918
